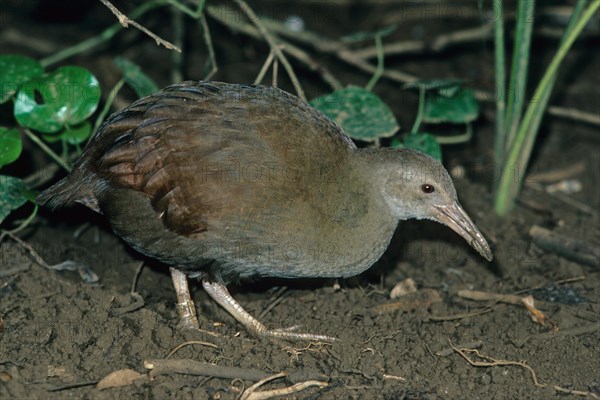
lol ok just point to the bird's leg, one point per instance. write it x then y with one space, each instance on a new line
221 295
185 305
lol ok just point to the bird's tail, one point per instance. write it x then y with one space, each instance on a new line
72 188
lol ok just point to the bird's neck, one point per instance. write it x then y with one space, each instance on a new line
367 222
377 166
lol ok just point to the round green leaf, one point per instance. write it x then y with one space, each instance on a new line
72 134
10 145
68 96
13 194
424 142
52 137
14 71
459 108
362 114
78 134
449 86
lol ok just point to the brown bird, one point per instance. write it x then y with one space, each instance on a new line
227 182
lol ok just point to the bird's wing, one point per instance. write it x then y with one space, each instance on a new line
212 155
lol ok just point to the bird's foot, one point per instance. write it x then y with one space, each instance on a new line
186 309
188 320
187 315
221 295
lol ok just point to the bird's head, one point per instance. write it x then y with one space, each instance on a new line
418 186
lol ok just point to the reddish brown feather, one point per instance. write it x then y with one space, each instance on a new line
183 147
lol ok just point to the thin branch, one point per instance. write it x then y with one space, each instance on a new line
264 69
182 345
34 138
97 40
178 27
274 46
380 68
275 73
492 362
211 51
26 222
193 367
575 115
125 21
438 44
224 15
355 57
109 102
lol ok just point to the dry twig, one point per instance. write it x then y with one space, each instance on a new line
565 199
125 21
264 69
252 394
471 345
579 251
339 49
274 46
224 16
492 362
556 174
454 317
438 44
182 345
211 51
527 301
193 367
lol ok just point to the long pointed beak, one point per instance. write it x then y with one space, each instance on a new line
456 218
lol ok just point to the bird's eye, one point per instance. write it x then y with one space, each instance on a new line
426 188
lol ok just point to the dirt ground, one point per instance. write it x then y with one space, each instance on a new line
60 335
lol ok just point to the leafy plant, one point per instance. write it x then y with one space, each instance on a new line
48 107
517 128
364 116
440 102
52 107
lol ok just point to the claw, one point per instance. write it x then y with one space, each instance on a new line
221 295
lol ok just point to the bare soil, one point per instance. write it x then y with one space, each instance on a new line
59 335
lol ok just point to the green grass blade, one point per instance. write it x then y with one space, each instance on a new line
520 65
575 16
500 77
513 171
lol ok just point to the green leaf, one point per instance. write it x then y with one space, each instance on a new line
74 135
52 137
362 114
139 81
10 145
458 108
14 71
78 134
449 86
396 142
424 142
69 95
13 194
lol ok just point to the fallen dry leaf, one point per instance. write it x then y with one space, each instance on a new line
122 377
403 288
